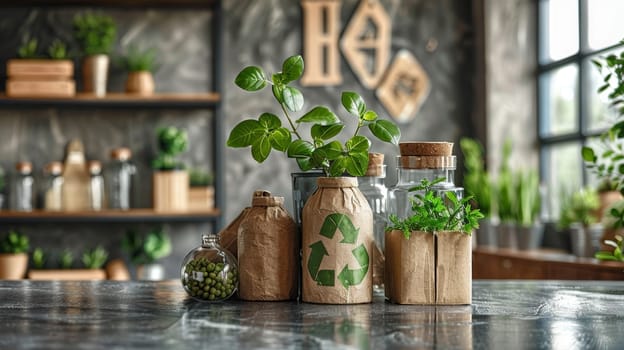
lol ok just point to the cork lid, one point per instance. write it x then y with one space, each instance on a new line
376 165
418 148
95 167
121 153
23 167
54 168
427 162
263 198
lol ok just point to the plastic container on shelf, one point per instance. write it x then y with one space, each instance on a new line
209 272
96 185
22 194
119 177
52 190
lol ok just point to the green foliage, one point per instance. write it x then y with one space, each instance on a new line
137 60
58 50
171 142
15 243
95 33
2 179
267 133
435 211
507 202
145 250
38 258
28 49
95 258
579 207
66 259
616 254
476 179
527 186
200 178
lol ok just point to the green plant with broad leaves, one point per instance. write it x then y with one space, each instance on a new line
435 210
146 249
138 60
171 142
66 260
28 49
578 207
616 254
477 181
95 33
15 243
95 258
321 150
38 258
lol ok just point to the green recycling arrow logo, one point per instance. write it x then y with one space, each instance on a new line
347 277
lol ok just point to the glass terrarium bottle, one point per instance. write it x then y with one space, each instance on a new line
22 194
209 272
52 192
418 161
119 179
96 186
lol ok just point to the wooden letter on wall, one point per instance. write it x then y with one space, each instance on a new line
404 88
366 42
320 36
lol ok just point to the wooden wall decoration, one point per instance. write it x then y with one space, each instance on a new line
404 88
321 30
366 42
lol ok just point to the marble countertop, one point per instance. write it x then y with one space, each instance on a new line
155 315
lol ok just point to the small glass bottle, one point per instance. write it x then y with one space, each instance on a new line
96 185
52 193
22 194
209 272
119 179
373 186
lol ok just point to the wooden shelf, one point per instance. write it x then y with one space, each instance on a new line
118 100
169 4
133 215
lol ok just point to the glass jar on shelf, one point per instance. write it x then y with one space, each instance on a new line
22 194
119 179
52 190
96 185
209 272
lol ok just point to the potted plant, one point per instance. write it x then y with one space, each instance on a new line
145 251
201 192
478 184
13 256
507 203
577 214
608 194
337 202
93 261
170 180
435 240
616 254
95 33
140 65
34 75
530 230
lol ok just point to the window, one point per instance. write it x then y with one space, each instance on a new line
571 113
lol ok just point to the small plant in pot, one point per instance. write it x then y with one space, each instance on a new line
530 230
577 216
140 64
170 179
201 192
507 203
14 256
337 156
144 251
95 33
431 248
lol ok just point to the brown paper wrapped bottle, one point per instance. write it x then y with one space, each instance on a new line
268 249
337 244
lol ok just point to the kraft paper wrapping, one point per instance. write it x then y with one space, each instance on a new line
337 244
454 268
268 250
410 268
229 235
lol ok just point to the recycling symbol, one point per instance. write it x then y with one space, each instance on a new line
347 277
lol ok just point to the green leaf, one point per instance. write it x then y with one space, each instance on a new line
278 92
385 131
278 79
292 69
356 164
331 151
260 149
251 78
270 121
337 167
353 103
358 144
319 115
325 132
293 99
588 154
370 116
300 149
603 87
243 134
305 164
280 139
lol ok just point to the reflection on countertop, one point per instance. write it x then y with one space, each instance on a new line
504 314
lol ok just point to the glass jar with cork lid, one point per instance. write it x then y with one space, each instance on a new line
22 194
119 179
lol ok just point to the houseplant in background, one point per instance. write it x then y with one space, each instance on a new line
13 256
338 203
2 187
507 202
170 180
530 229
478 184
145 250
95 33
201 192
577 214
140 64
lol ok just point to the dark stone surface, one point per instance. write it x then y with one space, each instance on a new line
504 315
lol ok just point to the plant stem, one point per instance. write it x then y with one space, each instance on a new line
292 126
358 128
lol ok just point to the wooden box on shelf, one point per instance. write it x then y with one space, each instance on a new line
40 78
68 275
201 198
171 190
